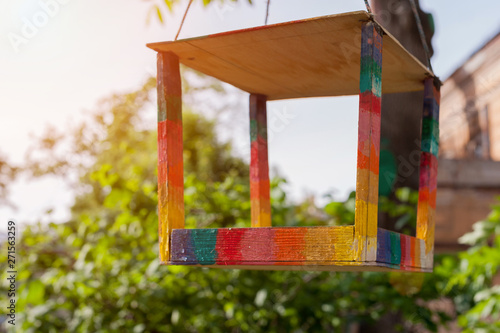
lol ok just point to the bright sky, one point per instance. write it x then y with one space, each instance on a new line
86 50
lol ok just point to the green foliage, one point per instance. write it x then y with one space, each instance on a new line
402 208
474 275
8 173
342 213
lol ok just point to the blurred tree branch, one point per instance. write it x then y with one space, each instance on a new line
159 8
8 174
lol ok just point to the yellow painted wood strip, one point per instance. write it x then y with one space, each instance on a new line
327 244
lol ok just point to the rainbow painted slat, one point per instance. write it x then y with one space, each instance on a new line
400 251
170 147
426 211
259 165
370 91
291 246
263 246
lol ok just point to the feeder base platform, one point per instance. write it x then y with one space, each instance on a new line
295 248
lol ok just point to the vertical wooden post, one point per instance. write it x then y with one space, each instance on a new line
426 211
367 177
259 166
170 163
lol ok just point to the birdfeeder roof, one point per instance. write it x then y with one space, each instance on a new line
307 58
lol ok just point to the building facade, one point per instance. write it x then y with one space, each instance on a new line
469 165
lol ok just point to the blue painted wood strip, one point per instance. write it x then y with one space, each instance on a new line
182 247
383 246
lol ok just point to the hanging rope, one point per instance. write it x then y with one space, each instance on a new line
267 11
183 18
422 34
368 8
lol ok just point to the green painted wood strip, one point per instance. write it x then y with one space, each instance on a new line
371 77
395 248
430 135
204 241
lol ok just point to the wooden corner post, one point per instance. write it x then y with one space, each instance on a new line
170 151
367 178
426 211
259 166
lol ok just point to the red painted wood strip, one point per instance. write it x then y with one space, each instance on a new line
228 246
406 259
257 246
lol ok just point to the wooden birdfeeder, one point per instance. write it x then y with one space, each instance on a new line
334 55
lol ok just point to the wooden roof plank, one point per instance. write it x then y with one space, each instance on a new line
309 58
